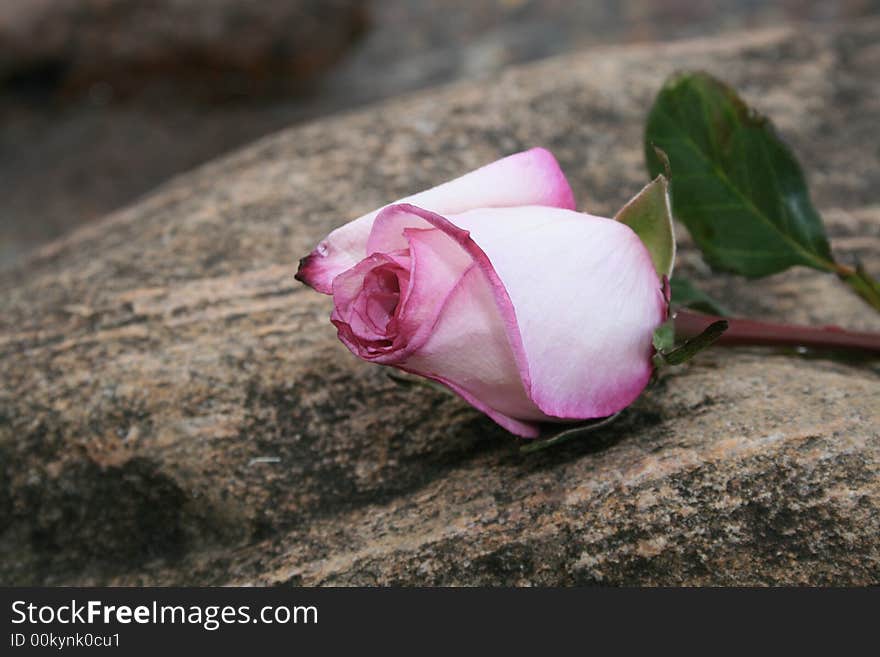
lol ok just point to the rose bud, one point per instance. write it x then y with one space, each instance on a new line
493 286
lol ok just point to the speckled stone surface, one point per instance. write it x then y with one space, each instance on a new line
175 408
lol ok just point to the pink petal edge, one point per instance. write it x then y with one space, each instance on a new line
531 177
514 426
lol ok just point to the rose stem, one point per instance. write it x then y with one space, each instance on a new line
752 332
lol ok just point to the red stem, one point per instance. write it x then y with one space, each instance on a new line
751 332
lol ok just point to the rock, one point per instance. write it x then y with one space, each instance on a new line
176 408
102 100
218 45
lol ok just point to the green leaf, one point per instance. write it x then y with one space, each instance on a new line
735 185
649 214
691 347
686 295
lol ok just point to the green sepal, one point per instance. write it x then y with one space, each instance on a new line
689 348
664 336
568 434
649 215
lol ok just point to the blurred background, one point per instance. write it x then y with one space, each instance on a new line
103 100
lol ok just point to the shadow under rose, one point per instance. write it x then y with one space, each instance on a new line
348 437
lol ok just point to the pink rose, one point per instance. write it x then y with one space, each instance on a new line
493 285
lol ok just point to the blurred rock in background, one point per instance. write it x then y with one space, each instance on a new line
196 46
102 100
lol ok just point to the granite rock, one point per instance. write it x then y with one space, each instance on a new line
175 408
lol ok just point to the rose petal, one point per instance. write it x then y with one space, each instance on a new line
529 178
437 266
468 351
463 342
586 298
355 308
